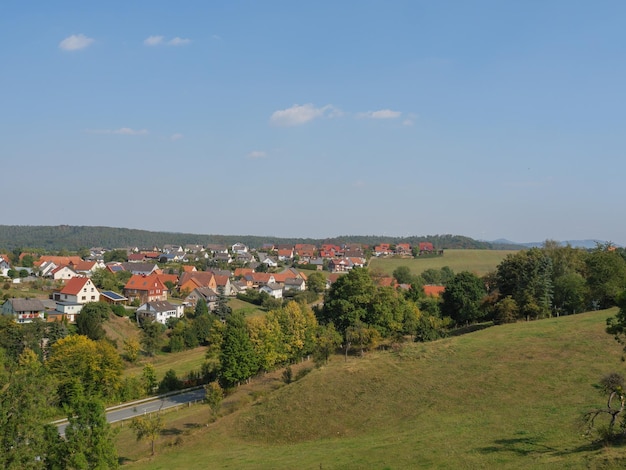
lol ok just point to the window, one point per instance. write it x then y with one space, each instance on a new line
93 297
84 297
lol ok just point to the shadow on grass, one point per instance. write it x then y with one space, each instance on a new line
521 446
463 330
171 432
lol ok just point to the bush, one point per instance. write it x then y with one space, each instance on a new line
170 382
119 310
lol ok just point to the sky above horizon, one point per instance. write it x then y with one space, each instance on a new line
489 119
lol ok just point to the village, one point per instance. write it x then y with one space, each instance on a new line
161 282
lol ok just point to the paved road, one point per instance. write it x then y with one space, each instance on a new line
133 410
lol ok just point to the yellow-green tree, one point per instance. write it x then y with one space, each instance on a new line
95 364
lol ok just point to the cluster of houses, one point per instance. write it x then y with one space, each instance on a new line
150 287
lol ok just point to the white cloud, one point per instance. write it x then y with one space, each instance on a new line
176 136
216 37
120 131
179 41
257 154
301 114
410 120
153 40
129 131
380 114
75 42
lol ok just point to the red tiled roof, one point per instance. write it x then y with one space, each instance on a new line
74 285
433 291
146 283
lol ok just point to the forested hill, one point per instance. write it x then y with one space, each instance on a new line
73 238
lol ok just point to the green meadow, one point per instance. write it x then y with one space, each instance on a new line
507 396
479 262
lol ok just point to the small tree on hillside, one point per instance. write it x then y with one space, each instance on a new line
148 427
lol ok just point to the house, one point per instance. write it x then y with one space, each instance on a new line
245 258
239 248
213 248
340 265
142 269
403 249
159 311
305 251
63 273
267 260
188 268
223 258
65 311
433 291
189 281
46 268
426 247
259 279
285 254
273 289
24 310
223 284
87 268
295 284
115 267
5 265
209 296
174 257
59 260
78 290
145 289
382 249
136 258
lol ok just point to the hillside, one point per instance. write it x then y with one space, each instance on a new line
504 397
73 238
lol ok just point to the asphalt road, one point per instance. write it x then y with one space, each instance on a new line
138 409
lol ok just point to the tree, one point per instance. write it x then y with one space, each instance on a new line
148 427
96 365
89 440
201 308
613 386
348 299
402 274
526 276
131 349
214 394
461 300
605 272
316 282
115 255
149 379
170 382
222 309
238 361
570 293
26 398
151 337
92 316
327 340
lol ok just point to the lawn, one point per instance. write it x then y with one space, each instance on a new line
504 397
479 262
182 362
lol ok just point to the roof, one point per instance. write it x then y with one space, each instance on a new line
74 285
189 269
85 266
201 278
145 283
59 260
158 306
433 291
27 305
109 294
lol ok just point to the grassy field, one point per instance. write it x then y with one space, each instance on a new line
182 362
504 397
479 262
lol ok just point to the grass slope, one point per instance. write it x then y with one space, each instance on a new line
479 262
503 397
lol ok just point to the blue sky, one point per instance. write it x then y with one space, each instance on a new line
486 118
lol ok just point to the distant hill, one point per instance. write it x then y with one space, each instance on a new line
73 238
588 244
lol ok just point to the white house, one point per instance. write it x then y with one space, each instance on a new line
273 289
78 290
159 311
